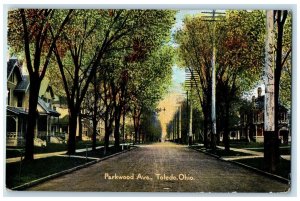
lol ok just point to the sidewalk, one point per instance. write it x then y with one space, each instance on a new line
253 154
61 153
45 155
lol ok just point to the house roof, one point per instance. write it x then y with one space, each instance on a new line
260 101
46 107
44 86
13 64
23 85
16 110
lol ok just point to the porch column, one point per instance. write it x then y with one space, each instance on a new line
36 128
47 129
17 131
21 128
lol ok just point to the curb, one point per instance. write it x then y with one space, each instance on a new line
274 176
55 175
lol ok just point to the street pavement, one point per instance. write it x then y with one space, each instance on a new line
163 167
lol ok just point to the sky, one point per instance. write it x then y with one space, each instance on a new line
176 93
178 76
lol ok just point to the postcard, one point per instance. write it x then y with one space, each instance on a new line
148 100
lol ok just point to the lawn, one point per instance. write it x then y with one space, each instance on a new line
283 170
283 150
38 168
12 152
99 153
246 144
51 147
222 152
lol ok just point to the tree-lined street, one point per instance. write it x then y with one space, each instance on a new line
163 80
208 174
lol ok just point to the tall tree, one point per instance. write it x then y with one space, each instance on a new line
33 38
87 44
237 69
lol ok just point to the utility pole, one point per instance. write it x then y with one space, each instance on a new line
123 125
213 87
191 117
187 115
179 125
191 123
175 128
213 77
270 137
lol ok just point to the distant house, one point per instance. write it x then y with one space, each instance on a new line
252 121
17 101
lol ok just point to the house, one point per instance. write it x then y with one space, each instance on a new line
17 100
252 120
17 103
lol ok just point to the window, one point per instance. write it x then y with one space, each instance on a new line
8 97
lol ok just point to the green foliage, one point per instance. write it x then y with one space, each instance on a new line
286 74
151 127
152 78
240 56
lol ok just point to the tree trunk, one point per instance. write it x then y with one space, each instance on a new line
95 111
106 140
205 125
206 114
135 125
72 132
139 137
117 127
107 131
136 132
94 139
80 126
226 127
32 116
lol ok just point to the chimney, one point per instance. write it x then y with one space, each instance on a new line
259 91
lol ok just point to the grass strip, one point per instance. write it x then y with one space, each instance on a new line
283 170
19 173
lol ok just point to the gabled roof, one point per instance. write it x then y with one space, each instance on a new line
260 101
23 85
16 110
13 64
46 107
44 86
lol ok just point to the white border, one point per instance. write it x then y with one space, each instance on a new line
171 4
